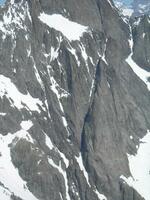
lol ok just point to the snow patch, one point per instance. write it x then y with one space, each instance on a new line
131 137
143 35
92 88
110 3
26 125
85 56
9 175
16 98
103 57
61 196
100 196
140 168
71 30
82 168
3 114
108 84
4 194
48 142
66 161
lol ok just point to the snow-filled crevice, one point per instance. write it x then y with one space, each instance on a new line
52 147
110 3
60 93
79 54
63 173
103 57
91 89
82 168
85 57
141 73
95 82
59 167
36 72
139 165
40 81
99 195
74 53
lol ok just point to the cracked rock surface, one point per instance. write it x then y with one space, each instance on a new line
71 110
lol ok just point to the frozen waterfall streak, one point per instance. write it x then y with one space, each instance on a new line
141 73
60 93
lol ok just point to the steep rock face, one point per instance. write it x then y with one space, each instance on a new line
141 33
68 107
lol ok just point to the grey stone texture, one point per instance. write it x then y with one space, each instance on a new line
99 124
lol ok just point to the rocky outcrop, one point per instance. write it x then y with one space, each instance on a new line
141 27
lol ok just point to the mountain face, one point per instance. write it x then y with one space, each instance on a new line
125 9
74 102
133 8
141 7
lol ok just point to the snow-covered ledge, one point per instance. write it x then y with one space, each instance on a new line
71 30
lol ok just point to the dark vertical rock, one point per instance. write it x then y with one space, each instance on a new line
89 100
